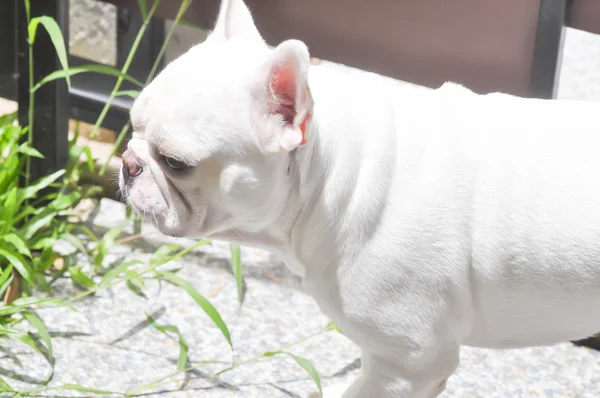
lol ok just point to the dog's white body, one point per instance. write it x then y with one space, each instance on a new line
420 220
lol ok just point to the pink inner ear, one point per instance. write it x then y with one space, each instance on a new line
283 85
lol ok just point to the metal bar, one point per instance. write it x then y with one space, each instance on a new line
51 112
548 48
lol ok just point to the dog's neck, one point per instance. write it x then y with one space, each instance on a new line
339 180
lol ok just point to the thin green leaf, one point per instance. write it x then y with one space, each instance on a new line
162 254
81 278
332 326
183 354
40 184
5 275
143 8
64 201
236 268
183 252
8 118
135 282
39 325
113 273
10 205
89 159
271 353
32 28
57 39
77 387
183 346
4 286
20 336
75 153
43 243
38 222
310 369
29 151
18 243
128 93
88 232
75 241
208 308
20 264
92 68
104 245
5 387
111 235
23 303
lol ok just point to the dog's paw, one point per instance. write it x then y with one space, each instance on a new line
333 391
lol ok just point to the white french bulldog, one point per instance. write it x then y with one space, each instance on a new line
420 220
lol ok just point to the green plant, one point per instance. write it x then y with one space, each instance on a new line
35 215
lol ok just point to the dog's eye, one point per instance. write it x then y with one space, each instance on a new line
175 164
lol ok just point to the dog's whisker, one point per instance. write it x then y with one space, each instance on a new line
238 234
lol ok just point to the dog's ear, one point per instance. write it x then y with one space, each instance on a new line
282 104
235 21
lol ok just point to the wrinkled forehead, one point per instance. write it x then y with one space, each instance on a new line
197 102
188 128
171 136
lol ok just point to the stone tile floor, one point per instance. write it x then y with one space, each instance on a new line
107 344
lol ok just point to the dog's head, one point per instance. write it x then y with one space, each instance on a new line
213 132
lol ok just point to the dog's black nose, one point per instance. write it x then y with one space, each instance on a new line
131 166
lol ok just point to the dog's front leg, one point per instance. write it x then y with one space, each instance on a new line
389 378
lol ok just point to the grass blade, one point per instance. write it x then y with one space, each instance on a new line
113 273
208 308
19 263
29 151
80 278
135 283
39 325
23 337
10 205
332 326
75 70
183 346
40 184
76 242
236 268
143 8
5 387
18 243
310 369
127 93
38 222
57 39
125 68
163 254
77 387
5 275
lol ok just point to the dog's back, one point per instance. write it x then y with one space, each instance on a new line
515 184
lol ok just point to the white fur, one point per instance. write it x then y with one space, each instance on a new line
420 220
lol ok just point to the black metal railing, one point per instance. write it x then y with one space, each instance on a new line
55 104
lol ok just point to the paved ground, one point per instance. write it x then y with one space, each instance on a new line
107 345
